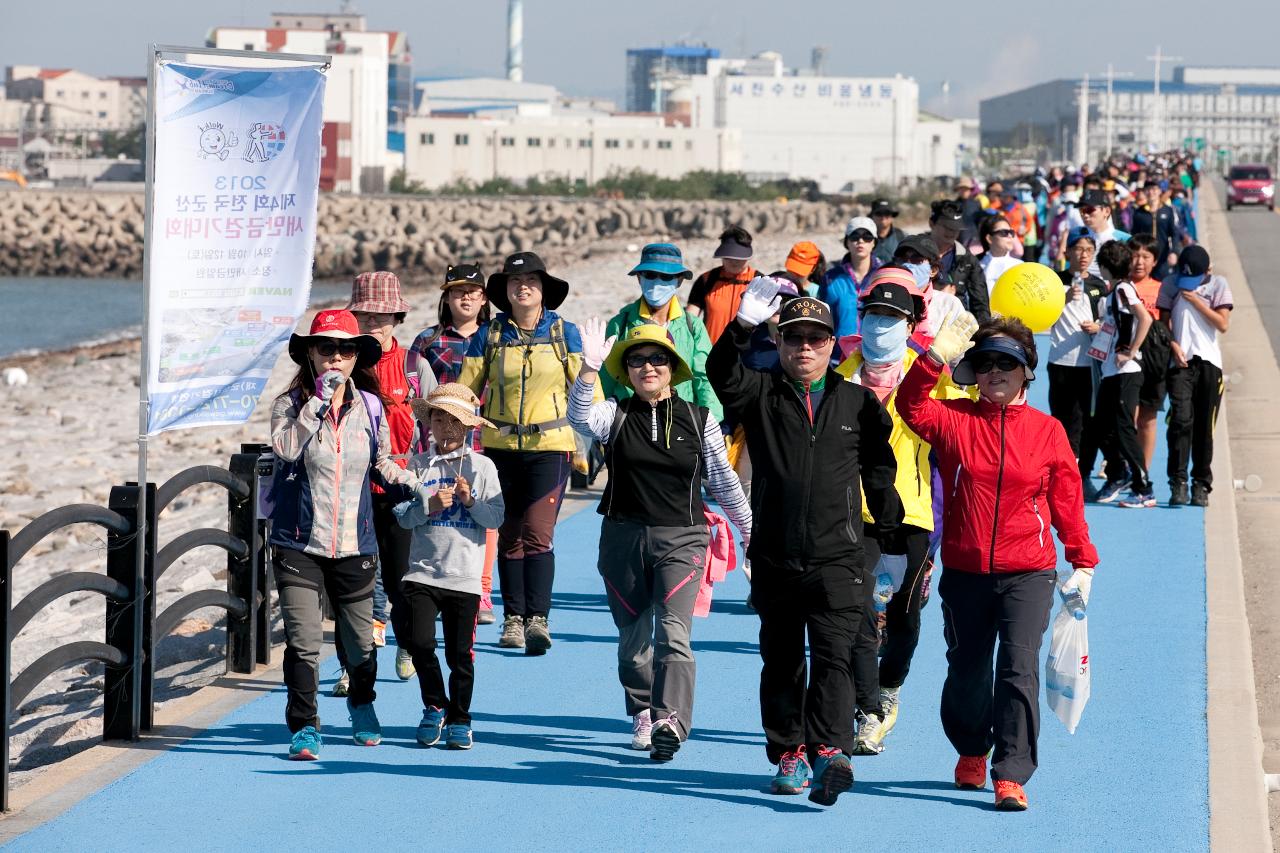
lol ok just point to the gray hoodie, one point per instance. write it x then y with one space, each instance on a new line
448 547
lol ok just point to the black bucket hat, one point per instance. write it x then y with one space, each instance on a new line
554 290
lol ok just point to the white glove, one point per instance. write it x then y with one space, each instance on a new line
595 347
1081 580
760 301
953 338
328 383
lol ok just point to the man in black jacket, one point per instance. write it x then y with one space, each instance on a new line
958 268
816 442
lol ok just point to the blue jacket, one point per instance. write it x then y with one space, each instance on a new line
840 291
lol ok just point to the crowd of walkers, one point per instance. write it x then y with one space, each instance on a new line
858 423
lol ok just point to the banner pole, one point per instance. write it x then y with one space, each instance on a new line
144 392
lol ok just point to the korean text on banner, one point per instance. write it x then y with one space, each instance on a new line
232 233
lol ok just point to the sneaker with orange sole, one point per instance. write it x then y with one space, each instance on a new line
971 772
1010 797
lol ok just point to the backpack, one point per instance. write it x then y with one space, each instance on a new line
283 469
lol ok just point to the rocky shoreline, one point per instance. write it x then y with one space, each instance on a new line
94 234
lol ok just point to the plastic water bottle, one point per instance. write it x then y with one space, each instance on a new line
883 591
1074 602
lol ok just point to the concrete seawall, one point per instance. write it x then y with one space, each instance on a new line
100 234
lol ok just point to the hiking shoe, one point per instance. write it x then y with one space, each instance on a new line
641 729
512 633
1136 500
666 739
1089 489
1110 491
1199 494
404 664
379 633
537 635
834 773
305 745
793 773
431 727
870 737
1178 496
889 707
926 588
1010 797
486 616
342 685
458 737
365 728
971 772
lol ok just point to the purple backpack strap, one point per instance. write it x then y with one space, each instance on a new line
373 406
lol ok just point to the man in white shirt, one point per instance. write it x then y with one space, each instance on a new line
1196 305
1095 210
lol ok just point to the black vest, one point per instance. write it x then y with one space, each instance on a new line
655 482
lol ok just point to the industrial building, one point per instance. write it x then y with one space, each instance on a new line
652 70
845 133
1235 111
358 108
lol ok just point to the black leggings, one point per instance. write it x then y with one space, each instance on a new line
902 623
533 485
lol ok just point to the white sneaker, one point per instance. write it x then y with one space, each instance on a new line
641 727
342 685
404 664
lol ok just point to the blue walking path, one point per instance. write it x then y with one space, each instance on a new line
551 768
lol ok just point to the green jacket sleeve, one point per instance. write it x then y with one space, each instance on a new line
703 394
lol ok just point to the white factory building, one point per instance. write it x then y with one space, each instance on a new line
477 129
843 132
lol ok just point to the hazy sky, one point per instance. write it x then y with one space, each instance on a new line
579 45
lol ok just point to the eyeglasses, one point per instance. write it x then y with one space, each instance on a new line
1003 363
799 339
658 276
862 236
346 349
657 359
1003 232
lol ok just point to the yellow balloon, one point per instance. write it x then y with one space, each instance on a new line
1031 292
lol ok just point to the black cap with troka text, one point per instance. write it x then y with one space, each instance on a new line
806 309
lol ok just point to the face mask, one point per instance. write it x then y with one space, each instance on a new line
921 272
658 292
884 338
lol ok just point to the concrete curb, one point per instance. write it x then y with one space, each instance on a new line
1238 808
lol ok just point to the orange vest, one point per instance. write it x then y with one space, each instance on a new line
722 298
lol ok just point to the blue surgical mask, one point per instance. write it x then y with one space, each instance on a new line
658 292
884 338
921 272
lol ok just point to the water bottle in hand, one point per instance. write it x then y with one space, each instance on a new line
883 592
1073 601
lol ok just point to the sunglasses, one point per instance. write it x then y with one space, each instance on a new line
861 236
1003 232
657 359
1003 363
658 276
346 349
1087 210
799 339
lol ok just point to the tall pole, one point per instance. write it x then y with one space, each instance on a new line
1082 123
1157 106
515 41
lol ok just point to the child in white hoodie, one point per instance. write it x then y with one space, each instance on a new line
446 558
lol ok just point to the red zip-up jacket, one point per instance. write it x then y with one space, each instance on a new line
394 384
1008 473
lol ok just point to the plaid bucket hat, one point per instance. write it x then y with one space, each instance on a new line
377 293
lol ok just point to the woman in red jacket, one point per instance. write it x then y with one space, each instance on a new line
1010 474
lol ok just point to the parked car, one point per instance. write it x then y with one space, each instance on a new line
1251 184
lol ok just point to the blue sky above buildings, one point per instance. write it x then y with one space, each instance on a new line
580 46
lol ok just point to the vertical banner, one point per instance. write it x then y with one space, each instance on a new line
231 236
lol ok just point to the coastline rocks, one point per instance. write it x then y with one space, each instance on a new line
95 234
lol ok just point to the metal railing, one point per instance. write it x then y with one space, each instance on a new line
132 626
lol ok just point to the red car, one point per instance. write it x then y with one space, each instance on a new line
1251 184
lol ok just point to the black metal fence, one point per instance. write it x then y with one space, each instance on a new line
132 625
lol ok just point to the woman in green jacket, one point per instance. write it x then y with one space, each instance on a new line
659 273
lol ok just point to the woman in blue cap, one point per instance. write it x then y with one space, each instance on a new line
660 272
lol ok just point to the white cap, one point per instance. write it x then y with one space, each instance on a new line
863 222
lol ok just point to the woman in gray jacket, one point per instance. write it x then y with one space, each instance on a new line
329 437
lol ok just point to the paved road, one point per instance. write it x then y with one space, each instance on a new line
551 771
1256 231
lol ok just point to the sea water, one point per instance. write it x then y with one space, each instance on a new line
60 313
